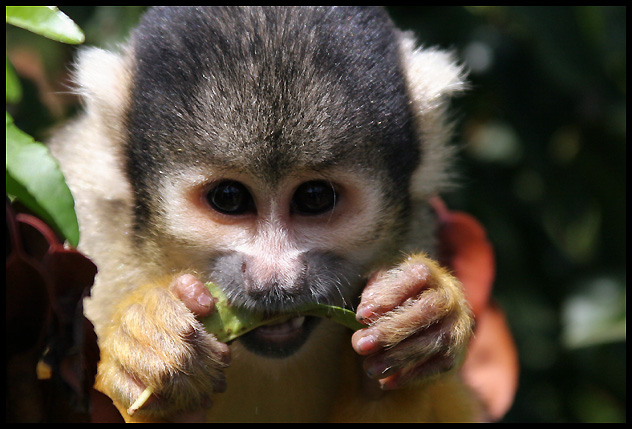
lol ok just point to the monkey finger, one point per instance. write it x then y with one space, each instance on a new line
402 323
211 347
364 342
193 294
420 371
415 351
388 289
431 311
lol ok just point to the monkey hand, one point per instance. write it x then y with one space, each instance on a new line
157 341
419 323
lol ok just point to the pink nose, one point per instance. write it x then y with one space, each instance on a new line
266 277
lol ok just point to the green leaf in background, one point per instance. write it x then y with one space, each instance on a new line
34 178
595 313
47 21
14 89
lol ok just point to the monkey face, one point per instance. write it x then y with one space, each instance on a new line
274 247
279 170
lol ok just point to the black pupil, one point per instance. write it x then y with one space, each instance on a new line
314 197
231 197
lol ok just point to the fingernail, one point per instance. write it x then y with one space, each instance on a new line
366 343
364 311
204 300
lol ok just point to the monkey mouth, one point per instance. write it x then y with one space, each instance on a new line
282 331
280 340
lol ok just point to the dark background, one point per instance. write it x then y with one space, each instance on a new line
542 131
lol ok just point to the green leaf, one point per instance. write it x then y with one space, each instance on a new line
595 313
14 89
228 322
47 21
34 178
341 316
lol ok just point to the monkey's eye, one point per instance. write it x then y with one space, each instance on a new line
230 197
314 197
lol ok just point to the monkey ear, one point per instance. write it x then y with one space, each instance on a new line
103 79
432 76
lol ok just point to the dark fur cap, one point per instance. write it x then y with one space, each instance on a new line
269 89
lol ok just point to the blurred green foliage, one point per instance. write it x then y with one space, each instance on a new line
542 132
32 176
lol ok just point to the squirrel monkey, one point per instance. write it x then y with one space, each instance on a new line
286 154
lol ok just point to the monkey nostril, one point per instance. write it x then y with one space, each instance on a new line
273 290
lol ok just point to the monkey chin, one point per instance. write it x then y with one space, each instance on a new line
281 340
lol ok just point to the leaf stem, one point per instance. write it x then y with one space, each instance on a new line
140 401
